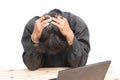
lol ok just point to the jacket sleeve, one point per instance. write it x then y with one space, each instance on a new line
31 58
78 51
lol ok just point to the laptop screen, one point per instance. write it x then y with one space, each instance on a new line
96 71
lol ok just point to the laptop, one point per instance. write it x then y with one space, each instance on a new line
96 71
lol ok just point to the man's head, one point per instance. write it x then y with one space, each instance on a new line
52 41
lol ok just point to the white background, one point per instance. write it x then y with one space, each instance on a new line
101 16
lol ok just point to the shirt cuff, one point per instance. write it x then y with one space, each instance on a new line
75 44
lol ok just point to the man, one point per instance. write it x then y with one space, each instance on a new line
56 39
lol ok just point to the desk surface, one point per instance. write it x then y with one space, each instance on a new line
41 74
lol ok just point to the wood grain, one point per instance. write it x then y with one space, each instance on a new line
41 74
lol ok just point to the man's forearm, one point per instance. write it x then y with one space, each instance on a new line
33 61
70 38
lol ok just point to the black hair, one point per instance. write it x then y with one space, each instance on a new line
52 41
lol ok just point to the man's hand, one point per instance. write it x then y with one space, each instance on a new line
64 28
39 25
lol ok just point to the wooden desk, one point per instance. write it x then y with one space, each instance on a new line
25 74
41 74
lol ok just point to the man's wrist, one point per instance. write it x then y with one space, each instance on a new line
34 41
70 42
70 39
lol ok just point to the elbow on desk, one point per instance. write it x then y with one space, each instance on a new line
32 68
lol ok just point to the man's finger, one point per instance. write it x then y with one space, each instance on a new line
56 24
60 17
46 21
44 25
56 20
44 17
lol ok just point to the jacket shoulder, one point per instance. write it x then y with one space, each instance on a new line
30 23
